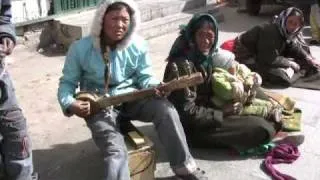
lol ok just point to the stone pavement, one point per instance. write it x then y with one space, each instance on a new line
63 149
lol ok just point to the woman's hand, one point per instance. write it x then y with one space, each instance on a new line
294 66
160 90
80 108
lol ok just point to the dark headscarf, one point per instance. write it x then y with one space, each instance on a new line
281 21
185 46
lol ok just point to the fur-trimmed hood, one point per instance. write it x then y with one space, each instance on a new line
98 21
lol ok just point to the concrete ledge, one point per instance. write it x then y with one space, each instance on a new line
159 17
157 9
40 23
149 10
171 23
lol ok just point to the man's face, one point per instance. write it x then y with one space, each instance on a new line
293 23
204 38
116 24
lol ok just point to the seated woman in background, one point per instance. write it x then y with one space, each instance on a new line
315 23
276 50
205 124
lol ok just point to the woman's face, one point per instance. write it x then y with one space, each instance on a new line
116 24
204 38
293 23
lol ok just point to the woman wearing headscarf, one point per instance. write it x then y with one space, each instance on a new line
207 126
277 50
315 22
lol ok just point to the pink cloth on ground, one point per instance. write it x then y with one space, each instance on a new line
282 153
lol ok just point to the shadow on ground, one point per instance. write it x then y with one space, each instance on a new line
216 154
233 25
167 178
83 161
80 161
53 50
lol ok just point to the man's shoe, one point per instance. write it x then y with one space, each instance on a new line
35 176
314 42
296 138
242 11
196 175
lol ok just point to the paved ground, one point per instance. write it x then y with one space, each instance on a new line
62 146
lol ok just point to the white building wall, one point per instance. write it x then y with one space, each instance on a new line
24 10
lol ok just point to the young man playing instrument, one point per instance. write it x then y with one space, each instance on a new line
114 56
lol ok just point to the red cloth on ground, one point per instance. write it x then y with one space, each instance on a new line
282 153
228 45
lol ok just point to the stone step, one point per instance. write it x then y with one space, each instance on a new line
149 10
171 23
160 8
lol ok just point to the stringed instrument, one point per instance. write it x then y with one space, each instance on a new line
98 103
